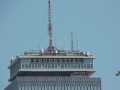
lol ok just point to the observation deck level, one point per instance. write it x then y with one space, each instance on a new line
58 63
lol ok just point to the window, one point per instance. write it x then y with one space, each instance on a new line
32 60
22 65
63 60
58 60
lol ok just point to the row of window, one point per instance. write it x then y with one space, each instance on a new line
37 87
58 60
54 66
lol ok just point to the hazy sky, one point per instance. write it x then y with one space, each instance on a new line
95 23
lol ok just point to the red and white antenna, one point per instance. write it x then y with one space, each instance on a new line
50 24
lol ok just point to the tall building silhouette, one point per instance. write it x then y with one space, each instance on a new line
53 68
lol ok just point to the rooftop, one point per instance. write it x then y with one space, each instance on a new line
57 52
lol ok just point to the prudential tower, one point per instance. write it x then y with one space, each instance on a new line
53 68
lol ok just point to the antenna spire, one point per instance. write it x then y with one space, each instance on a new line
49 24
72 46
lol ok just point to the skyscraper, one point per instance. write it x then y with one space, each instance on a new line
53 68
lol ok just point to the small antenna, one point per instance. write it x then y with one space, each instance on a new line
72 43
77 44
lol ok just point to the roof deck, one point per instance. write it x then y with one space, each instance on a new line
56 54
59 53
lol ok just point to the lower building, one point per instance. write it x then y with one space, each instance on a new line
55 83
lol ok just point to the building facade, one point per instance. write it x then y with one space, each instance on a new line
63 70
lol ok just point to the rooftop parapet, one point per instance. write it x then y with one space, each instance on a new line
59 53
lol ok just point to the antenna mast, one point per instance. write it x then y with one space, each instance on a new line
72 41
49 24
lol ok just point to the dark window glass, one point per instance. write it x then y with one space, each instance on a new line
32 60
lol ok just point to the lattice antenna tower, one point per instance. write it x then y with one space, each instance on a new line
50 24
